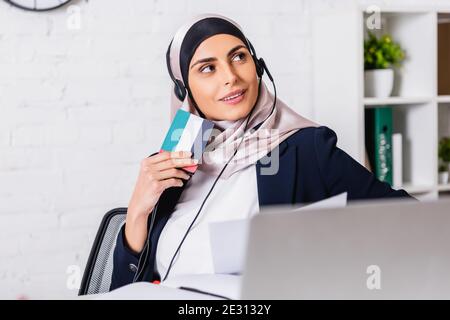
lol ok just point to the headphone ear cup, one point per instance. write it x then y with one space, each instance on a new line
180 90
259 67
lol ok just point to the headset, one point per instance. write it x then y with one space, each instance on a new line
180 91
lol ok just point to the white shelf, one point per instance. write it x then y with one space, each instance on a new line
443 99
444 187
373 102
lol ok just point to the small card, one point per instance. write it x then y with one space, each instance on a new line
188 132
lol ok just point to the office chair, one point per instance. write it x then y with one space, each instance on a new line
98 272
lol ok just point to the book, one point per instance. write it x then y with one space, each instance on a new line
378 123
443 60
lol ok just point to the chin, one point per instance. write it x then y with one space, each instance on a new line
237 114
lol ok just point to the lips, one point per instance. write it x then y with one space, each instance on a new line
233 95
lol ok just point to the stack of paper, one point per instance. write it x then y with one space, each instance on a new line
229 238
188 287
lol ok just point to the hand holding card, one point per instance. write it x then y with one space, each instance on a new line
177 161
188 132
157 173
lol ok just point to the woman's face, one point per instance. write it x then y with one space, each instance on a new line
221 66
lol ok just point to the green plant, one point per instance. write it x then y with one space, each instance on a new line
382 53
444 150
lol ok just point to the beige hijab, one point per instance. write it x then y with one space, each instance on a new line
276 126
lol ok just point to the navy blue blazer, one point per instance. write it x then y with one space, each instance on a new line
311 168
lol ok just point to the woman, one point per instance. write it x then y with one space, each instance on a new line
218 77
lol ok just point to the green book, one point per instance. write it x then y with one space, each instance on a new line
379 142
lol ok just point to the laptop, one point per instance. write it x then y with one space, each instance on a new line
396 249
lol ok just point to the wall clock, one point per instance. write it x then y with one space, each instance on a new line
38 5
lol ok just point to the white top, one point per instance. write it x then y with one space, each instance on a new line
231 199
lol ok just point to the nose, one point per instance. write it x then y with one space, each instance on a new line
229 74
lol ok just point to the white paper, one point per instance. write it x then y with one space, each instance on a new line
229 238
150 291
227 286
228 245
338 201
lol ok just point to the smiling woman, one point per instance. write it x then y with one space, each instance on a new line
265 154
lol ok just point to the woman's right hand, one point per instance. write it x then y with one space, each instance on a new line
157 173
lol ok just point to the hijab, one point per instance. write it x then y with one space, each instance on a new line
271 120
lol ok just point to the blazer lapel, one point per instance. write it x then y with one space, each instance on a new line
278 188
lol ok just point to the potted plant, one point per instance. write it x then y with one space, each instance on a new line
444 157
380 56
443 174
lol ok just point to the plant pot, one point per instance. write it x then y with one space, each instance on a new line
378 83
443 177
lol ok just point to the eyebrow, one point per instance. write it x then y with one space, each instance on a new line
215 59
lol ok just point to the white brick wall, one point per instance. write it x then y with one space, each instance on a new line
81 108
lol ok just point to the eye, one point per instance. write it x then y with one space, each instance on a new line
206 67
241 55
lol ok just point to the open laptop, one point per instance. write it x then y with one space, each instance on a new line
397 249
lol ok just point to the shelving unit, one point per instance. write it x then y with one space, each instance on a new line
392 101
421 112
443 99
